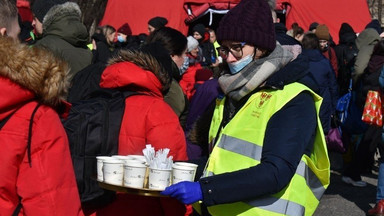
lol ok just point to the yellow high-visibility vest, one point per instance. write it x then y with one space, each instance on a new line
239 146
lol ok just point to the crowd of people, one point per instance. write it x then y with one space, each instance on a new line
251 102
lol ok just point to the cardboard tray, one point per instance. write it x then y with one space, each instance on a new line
130 190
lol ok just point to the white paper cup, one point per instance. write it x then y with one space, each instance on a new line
120 157
137 157
182 173
159 179
188 165
134 174
113 171
100 160
131 161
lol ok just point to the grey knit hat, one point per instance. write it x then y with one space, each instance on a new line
192 43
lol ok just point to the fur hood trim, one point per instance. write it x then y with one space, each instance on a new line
35 69
146 62
68 8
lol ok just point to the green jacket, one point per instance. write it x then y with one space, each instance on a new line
365 42
66 36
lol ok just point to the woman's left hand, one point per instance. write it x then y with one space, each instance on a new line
186 192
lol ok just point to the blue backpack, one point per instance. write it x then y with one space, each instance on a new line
349 114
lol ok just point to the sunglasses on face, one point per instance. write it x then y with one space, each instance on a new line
236 50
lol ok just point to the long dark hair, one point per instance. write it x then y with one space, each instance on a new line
310 41
172 40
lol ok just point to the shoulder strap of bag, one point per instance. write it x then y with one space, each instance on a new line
18 208
350 85
30 134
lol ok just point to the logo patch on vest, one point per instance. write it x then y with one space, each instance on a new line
263 98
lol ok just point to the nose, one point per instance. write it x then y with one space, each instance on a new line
33 22
231 58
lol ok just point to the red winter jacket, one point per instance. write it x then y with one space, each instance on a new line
195 74
48 186
147 120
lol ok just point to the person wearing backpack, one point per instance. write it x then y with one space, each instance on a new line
147 119
346 52
36 172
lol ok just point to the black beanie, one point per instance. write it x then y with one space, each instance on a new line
158 22
313 26
41 7
375 24
200 28
249 21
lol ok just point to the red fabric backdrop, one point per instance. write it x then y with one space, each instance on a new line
137 13
330 12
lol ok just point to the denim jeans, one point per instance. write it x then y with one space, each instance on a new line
380 183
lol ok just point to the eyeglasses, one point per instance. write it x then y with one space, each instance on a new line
235 49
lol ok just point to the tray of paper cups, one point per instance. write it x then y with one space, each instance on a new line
145 175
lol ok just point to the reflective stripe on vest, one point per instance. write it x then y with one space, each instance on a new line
254 151
243 145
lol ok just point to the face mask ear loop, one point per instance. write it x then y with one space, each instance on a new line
254 53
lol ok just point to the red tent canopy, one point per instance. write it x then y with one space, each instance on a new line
181 12
137 13
330 12
178 12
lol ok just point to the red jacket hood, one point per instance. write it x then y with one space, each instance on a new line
12 96
131 77
30 73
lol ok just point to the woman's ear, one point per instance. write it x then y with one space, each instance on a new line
259 53
3 31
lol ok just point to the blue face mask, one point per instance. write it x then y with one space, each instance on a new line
120 39
185 65
235 67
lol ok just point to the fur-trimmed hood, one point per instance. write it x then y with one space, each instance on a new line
64 21
136 71
38 73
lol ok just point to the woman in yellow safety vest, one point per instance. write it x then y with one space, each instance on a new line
268 153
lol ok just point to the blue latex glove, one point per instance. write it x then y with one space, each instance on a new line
186 192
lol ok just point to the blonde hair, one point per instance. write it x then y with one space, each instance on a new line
107 30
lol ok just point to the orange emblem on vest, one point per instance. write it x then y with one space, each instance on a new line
264 97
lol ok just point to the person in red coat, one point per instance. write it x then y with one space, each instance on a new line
147 120
36 179
188 80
